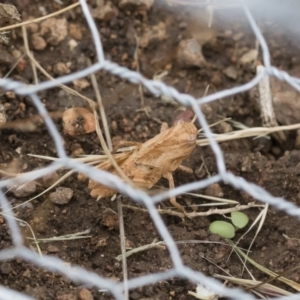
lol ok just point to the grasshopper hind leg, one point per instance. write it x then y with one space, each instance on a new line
173 201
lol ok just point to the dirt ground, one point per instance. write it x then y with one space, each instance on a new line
265 162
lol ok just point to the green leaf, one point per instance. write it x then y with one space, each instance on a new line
239 219
223 229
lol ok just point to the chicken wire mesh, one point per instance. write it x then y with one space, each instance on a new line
80 275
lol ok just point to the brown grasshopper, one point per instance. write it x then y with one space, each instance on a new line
156 158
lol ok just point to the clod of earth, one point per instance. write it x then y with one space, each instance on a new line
24 190
189 54
78 120
61 196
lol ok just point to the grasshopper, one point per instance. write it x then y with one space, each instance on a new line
152 160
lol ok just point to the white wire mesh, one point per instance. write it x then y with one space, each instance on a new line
80 275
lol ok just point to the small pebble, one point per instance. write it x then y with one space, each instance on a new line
16 53
248 57
67 297
72 44
26 205
53 249
238 36
231 72
24 190
61 69
81 84
50 179
27 273
38 42
85 294
6 58
276 150
105 12
78 152
224 127
54 30
10 95
189 54
246 165
114 125
101 243
81 177
172 293
216 79
214 190
156 33
61 196
32 27
286 102
75 31
5 268
22 64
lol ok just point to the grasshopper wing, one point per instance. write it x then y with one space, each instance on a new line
167 149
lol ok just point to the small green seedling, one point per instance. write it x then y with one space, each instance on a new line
223 229
239 219
227 230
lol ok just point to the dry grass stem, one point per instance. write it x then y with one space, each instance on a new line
225 201
161 245
24 223
64 87
264 288
14 66
262 217
265 100
197 214
214 124
94 159
123 248
107 150
101 108
288 282
154 244
140 87
42 18
246 133
266 104
66 237
26 46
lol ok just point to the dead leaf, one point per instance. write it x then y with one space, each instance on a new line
10 12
